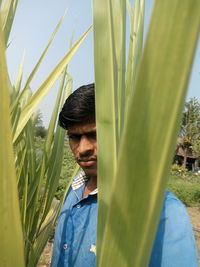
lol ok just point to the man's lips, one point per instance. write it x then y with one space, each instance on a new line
86 163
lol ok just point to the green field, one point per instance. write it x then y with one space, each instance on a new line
184 184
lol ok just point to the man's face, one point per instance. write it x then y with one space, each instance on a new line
82 141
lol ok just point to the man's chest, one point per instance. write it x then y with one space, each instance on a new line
77 227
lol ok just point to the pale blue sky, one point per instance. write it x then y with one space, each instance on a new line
35 21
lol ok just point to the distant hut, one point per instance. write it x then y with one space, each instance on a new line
184 155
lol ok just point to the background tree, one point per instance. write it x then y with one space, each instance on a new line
190 126
40 130
190 129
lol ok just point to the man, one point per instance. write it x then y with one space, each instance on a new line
75 237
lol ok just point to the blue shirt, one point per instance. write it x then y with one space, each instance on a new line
75 237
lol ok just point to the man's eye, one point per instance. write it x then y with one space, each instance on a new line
73 136
92 135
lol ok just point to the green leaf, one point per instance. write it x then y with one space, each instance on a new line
135 45
108 51
8 10
45 87
150 134
33 72
39 245
56 153
11 246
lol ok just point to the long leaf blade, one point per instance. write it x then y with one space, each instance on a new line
46 85
8 11
10 230
107 53
43 53
158 98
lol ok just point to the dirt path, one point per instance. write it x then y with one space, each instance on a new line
195 220
194 213
45 259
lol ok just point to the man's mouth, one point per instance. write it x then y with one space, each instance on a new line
87 162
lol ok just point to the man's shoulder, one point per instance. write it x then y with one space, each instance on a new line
174 244
174 212
170 196
172 202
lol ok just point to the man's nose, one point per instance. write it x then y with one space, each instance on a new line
85 146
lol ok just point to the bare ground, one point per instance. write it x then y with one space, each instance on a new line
194 213
45 259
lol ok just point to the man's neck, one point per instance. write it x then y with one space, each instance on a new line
90 186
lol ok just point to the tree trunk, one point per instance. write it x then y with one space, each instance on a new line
185 158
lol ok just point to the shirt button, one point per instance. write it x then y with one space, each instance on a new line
65 246
78 206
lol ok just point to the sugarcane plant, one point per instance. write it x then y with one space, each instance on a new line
29 176
138 106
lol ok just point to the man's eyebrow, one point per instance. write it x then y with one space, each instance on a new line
85 132
92 131
75 134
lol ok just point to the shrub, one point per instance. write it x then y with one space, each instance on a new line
178 168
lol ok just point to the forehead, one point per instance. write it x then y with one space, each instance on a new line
82 128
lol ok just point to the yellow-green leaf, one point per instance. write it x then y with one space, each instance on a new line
11 246
45 87
149 135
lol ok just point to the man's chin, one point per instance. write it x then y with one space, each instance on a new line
90 172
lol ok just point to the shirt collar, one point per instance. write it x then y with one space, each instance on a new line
79 180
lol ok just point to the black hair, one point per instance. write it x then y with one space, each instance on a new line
79 107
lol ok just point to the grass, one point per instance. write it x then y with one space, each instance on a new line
186 186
